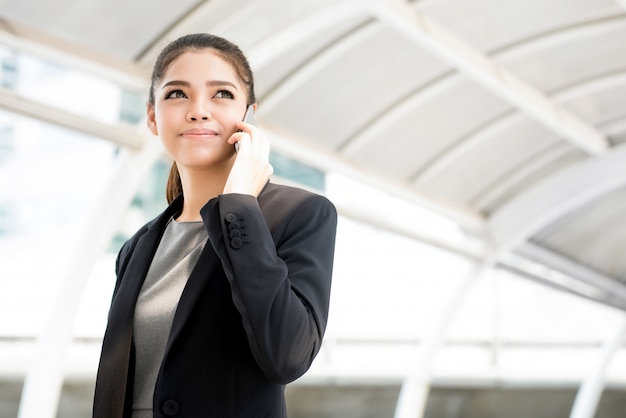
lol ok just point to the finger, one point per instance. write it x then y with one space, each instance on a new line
265 146
258 143
257 139
242 139
245 127
233 138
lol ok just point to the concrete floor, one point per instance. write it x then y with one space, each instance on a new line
376 402
380 402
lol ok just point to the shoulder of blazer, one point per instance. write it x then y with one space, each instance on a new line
281 204
278 196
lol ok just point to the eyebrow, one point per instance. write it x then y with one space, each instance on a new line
211 83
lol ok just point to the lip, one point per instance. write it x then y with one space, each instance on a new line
198 133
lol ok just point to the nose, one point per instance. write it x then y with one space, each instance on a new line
197 112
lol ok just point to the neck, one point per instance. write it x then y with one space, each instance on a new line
200 186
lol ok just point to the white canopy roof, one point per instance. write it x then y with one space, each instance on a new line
507 117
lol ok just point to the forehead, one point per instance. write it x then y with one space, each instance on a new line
200 66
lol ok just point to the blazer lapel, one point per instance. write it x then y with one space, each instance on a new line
112 380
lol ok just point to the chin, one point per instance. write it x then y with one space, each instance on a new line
208 161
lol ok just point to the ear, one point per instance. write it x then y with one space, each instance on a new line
254 105
151 119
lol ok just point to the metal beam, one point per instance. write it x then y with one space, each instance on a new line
530 211
122 135
327 161
588 396
477 66
126 75
573 269
416 385
464 147
374 215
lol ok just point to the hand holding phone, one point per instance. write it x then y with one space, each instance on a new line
251 169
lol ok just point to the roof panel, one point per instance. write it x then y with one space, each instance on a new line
119 28
269 77
600 101
491 24
490 160
564 59
352 87
439 118
526 175
250 22
593 234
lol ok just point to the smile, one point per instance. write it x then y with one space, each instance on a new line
199 133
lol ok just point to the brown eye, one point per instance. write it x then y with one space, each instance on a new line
175 94
224 94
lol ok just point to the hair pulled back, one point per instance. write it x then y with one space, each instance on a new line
197 42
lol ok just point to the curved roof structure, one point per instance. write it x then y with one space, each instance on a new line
509 118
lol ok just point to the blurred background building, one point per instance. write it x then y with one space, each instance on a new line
475 150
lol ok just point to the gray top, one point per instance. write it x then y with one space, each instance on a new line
178 251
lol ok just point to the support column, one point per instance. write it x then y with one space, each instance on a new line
416 386
591 389
44 381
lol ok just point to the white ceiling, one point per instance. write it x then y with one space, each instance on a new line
509 117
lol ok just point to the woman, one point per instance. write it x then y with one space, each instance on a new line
223 298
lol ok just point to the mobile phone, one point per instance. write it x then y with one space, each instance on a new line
248 117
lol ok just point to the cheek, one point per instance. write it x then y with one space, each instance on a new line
164 121
232 117
161 115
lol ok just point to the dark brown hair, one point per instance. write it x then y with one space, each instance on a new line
226 50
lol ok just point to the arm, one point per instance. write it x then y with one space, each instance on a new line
281 288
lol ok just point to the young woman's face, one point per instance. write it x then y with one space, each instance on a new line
196 106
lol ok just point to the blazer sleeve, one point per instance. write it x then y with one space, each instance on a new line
280 279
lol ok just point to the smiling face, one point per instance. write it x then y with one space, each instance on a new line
197 103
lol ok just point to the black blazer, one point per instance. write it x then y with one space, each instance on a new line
250 319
